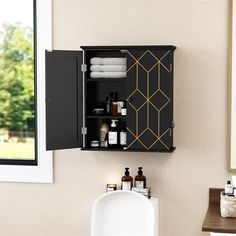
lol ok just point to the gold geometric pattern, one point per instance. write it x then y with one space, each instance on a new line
141 67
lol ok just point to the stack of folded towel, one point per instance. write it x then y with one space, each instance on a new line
108 67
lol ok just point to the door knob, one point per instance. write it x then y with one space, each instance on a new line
129 99
172 124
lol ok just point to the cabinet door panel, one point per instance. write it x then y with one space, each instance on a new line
149 99
63 100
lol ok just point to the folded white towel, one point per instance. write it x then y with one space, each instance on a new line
108 68
108 74
108 61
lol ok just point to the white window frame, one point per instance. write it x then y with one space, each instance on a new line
43 172
232 94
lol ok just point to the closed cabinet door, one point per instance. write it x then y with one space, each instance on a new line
149 99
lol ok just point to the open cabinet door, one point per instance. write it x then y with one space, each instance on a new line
64 99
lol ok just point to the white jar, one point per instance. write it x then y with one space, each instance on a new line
123 111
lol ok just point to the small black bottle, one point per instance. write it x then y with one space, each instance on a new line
108 105
113 96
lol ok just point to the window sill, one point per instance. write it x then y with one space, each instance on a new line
42 173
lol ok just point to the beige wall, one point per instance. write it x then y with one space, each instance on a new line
199 28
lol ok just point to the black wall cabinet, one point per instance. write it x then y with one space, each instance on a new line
71 96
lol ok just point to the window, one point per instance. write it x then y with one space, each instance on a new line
36 166
17 83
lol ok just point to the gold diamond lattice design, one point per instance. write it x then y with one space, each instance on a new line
148 60
137 100
148 138
159 100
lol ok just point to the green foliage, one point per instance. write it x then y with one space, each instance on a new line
17 79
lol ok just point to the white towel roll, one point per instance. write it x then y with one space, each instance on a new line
108 61
108 74
108 68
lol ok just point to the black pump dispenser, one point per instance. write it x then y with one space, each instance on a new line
140 179
140 172
126 171
126 180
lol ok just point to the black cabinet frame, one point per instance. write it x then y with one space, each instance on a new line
148 90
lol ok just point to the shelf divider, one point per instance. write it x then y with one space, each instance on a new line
126 150
106 80
105 117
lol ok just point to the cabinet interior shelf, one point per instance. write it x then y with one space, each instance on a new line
127 150
107 80
105 117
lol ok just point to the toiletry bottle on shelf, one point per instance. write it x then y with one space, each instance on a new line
108 105
114 103
103 133
121 104
126 180
124 110
140 179
113 96
114 108
113 134
229 190
123 136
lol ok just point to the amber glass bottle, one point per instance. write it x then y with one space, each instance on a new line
126 180
140 179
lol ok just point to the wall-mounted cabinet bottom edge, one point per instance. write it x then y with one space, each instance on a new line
128 150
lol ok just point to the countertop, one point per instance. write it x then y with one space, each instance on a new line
213 221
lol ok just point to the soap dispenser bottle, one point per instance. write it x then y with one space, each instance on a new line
126 181
113 134
140 179
229 190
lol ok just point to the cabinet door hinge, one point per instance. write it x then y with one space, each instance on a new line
84 130
123 50
83 67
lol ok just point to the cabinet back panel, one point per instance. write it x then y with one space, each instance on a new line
97 92
93 129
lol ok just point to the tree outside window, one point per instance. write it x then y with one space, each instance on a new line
17 104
